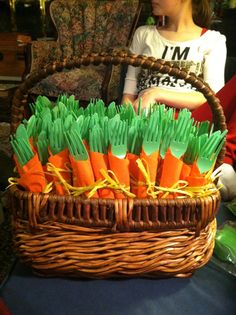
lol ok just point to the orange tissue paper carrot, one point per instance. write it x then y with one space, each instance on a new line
99 161
195 178
18 167
185 171
150 163
82 174
61 162
171 170
27 163
32 176
120 168
134 173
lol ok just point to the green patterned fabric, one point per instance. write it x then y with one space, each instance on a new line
83 27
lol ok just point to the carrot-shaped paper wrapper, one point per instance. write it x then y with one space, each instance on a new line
143 172
134 173
151 162
120 170
171 171
48 175
28 164
99 161
59 164
185 171
159 169
21 171
18 167
195 178
83 174
32 176
43 153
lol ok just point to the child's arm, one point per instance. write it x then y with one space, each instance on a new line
177 99
128 99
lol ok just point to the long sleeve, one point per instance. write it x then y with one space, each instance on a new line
214 61
130 86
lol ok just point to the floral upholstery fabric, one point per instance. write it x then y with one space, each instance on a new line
5 146
83 27
44 52
84 83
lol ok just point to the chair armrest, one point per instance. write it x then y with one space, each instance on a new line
40 53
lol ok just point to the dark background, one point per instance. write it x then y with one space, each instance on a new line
28 20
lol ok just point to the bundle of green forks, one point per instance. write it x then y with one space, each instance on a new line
118 129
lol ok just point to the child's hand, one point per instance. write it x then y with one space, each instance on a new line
228 179
148 96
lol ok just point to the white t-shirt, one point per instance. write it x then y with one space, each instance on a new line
204 56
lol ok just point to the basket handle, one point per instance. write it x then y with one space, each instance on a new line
20 99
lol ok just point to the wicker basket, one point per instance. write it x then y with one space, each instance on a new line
99 238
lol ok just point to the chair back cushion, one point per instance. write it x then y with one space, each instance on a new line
92 26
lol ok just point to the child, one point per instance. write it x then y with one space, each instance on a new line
185 41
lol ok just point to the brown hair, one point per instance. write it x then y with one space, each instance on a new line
202 12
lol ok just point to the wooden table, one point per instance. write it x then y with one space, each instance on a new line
12 55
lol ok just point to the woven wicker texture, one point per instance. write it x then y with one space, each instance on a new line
68 236
115 215
67 250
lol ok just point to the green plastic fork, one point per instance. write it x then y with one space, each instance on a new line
68 121
21 132
192 151
72 104
119 140
112 127
76 146
96 139
153 134
100 108
46 124
22 150
203 127
179 144
103 122
31 126
63 111
205 163
56 137
111 110
134 140
42 146
183 128
212 142
168 131
127 113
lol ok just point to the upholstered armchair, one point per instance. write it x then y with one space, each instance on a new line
84 26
